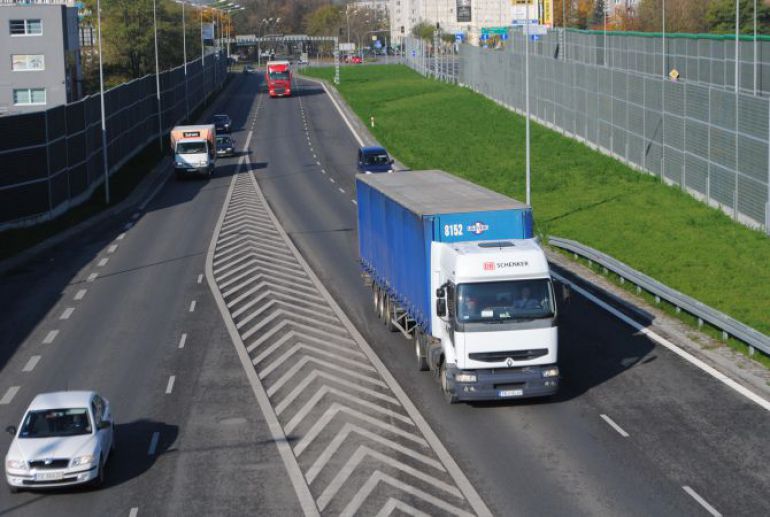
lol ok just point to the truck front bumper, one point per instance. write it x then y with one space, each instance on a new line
502 383
197 171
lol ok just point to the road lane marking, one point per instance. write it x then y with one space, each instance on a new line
80 294
332 180
153 443
615 426
8 397
710 509
103 262
31 363
318 163
342 114
341 189
200 278
354 201
192 306
170 385
765 404
183 340
92 277
50 337
323 171
112 248
133 512
67 313
121 236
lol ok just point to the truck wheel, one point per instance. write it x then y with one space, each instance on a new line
420 352
381 305
451 398
375 297
389 315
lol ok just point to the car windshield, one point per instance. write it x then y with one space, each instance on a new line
376 159
191 148
499 302
223 140
49 423
221 119
275 75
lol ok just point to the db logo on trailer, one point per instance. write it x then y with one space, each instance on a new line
489 266
478 228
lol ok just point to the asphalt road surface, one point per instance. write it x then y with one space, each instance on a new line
635 429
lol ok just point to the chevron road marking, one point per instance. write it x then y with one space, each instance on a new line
349 437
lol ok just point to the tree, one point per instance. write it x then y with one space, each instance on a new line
424 30
599 13
580 13
327 20
720 17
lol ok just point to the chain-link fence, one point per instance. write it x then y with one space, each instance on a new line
52 159
697 134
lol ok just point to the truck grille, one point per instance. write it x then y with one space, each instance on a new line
516 355
54 464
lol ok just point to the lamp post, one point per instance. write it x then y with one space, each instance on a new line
528 157
101 99
157 75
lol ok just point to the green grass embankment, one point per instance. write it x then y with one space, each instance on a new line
577 193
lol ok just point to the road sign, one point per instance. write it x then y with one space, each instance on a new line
504 36
537 29
484 36
347 47
377 44
534 37
414 53
459 36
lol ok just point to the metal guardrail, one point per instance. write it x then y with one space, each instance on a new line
729 326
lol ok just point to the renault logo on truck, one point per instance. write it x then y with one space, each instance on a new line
478 228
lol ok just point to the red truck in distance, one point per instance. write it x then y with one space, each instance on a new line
278 78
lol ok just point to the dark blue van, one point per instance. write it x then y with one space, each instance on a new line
374 159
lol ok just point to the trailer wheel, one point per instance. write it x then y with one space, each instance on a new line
381 304
389 315
420 351
375 297
451 398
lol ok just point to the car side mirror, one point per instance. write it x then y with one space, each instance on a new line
441 307
11 429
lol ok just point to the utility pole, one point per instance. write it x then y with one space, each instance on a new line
184 53
527 123
157 75
101 98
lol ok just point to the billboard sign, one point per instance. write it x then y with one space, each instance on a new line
347 47
207 31
463 11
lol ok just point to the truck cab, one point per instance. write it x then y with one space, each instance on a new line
278 78
194 149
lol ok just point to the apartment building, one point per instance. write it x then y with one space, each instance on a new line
39 56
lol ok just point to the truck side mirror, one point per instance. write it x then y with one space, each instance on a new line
441 307
440 292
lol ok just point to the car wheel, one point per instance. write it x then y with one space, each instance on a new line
99 479
451 398
14 489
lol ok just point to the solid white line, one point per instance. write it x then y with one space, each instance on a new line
103 262
92 277
710 509
112 248
668 344
192 306
121 236
170 385
153 443
200 278
134 512
31 363
80 294
67 313
154 193
50 337
342 114
615 426
8 397
183 340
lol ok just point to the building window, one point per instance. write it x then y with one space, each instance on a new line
33 27
22 62
28 96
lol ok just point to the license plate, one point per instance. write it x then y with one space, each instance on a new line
510 393
48 476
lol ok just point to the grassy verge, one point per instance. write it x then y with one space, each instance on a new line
577 193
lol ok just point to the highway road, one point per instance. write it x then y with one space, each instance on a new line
635 430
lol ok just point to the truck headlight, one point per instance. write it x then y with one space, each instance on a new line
16 464
86 459
465 377
550 372
202 163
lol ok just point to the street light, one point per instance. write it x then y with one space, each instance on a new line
157 74
101 98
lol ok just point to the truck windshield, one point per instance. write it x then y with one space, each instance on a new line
280 76
191 148
500 302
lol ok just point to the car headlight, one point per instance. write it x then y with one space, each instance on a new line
551 372
201 163
86 459
16 464
390 170
465 377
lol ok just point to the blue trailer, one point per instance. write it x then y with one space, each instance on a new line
426 237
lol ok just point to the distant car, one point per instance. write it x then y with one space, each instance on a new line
356 60
222 123
302 61
65 438
374 159
225 145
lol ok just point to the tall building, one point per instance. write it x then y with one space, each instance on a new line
39 56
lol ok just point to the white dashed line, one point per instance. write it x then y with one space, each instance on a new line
183 340
92 277
192 306
8 397
153 443
121 236
80 294
354 201
67 313
318 163
170 385
50 337
341 189
323 171
112 248
710 509
332 180
614 426
200 278
133 512
31 363
103 262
